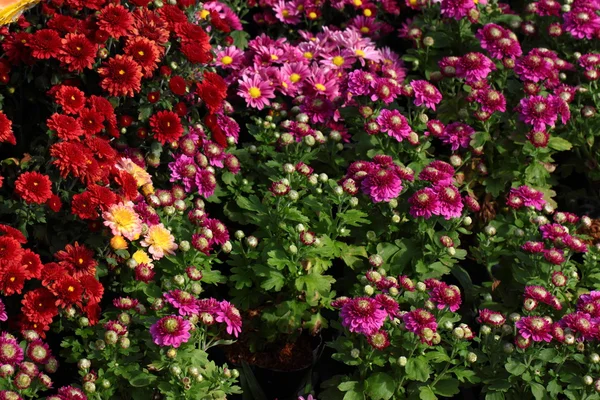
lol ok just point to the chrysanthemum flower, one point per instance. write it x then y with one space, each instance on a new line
38 351
77 52
457 9
424 203
10 351
6 132
68 291
425 94
159 241
183 301
491 317
382 185
145 52
116 20
70 98
416 320
394 124
33 187
39 306
230 315
449 202
446 296
78 259
255 91
121 76
379 340
170 331
45 44
123 220
363 315
166 126
536 328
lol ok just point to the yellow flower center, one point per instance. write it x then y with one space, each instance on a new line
357 3
274 57
285 13
320 87
359 52
312 15
294 77
71 289
141 53
204 14
226 60
122 72
254 92
308 55
338 61
364 29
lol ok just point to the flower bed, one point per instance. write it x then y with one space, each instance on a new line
336 199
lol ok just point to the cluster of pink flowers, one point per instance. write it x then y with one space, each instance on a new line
525 196
444 295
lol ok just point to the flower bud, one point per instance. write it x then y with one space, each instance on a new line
89 387
514 317
293 195
486 330
175 370
293 249
597 386
449 325
467 221
84 364
421 287
368 289
110 337
252 241
83 322
472 357
508 348
402 361
489 230
355 353
376 260
595 358
428 41
588 380
458 333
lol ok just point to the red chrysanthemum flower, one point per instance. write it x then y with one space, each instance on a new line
77 52
91 121
33 187
16 49
149 24
84 206
122 76
12 279
103 196
219 23
145 52
65 24
92 311
9 231
128 185
66 127
92 288
166 126
177 85
70 98
6 132
68 291
39 306
51 272
196 53
78 259
189 32
116 20
172 15
71 158
32 264
11 251
45 44
212 90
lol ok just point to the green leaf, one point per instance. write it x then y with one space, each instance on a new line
446 387
554 388
354 217
515 367
559 144
426 393
494 396
275 281
240 39
539 392
251 203
141 379
417 369
352 395
547 354
380 386
314 283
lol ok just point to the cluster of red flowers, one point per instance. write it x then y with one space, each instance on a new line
69 283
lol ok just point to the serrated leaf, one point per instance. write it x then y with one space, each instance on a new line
417 369
515 367
354 217
380 386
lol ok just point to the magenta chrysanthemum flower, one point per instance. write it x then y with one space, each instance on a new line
491 101
474 67
457 134
538 293
538 111
424 203
446 296
426 94
3 316
206 182
255 91
10 351
590 303
536 328
553 231
383 185
449 202
363 315
394 124
170 331
581 23
554 256
184 169
210 306
533 247
183 301
419 319
529 196
379 340
490 317
388 304
230 315
582 324
457 9
438 173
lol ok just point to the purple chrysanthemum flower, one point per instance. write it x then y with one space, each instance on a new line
553 231
218 229
382 185
491 100
426 94
424 203
184 169
450 203
554 256
457 9
170 331
491 317
538 111
590 303
529 196
230 315
457 134
183 301
581 323
536 328
581 23
533 68
474 67
394 124
363 315
10 351
206 182
388 303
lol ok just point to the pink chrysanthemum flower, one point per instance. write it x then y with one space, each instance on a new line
159 241
553 231
491 101
457 134
363 315
581 23
538 111
379 340
286 12
554 256
536 328
533 68
538 293
533 247
170 331
382 185
394 124
183 301
426 94
229 58
255 91
230 315
590 303
10 351
582 324
388 303
457 9
424 203
416 320
449 202
490 317
3 316
438 173
474 67
471 203
123 221
530 196
446 296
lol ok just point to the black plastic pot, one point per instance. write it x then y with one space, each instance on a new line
269 384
